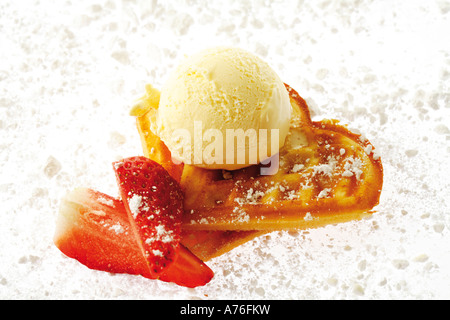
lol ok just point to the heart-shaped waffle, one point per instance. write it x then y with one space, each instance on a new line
326 175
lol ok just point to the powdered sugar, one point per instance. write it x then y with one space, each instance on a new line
324 193
107 202
117 228
158 253
162 235
352 166
136 204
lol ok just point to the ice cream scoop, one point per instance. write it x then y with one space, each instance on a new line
223 108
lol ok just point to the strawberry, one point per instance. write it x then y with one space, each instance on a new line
154 202
187 270
94 229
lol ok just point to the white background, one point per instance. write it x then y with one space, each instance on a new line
69 71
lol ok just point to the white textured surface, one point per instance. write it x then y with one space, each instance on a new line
69 70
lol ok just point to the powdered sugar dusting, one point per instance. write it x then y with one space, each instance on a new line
135 203
162 234
157 253
108 202
117 228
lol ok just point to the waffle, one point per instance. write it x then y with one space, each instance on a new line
326 175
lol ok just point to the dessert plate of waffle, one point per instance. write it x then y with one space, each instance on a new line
326 175
173 215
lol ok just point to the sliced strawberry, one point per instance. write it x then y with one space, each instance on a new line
187 270
154 202
94 229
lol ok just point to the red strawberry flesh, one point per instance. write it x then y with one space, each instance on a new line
154 202
94 229
187 270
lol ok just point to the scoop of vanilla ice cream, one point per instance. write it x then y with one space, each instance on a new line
223 108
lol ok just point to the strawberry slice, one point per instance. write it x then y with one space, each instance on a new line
154 202
94 229
187 270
